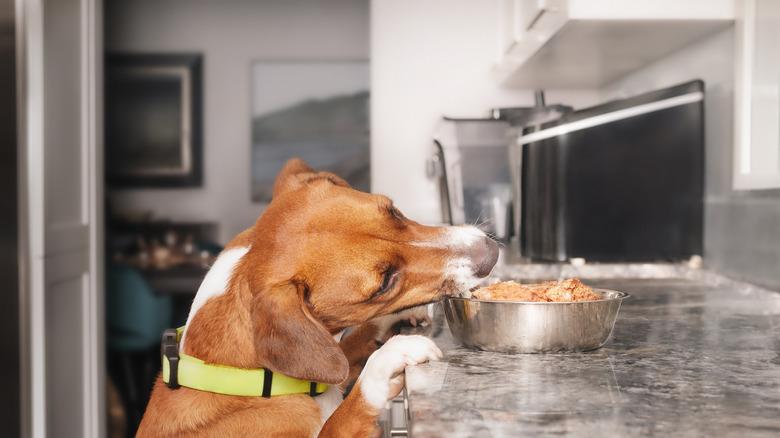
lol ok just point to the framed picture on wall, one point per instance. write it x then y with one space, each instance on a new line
314 110
153 120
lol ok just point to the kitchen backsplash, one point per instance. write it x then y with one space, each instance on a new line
742 237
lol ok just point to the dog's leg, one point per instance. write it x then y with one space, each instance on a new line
367 338
381 380
357 347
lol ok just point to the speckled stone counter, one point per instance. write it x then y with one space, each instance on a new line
691 354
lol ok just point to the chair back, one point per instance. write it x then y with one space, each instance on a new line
135 316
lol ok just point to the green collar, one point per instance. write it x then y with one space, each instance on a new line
182 370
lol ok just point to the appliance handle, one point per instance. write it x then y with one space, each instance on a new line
614 116
458 188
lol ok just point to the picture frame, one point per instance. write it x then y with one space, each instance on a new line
315 110
153 120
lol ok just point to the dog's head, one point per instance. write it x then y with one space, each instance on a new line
355 256
324 257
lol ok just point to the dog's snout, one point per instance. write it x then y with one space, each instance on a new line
484 254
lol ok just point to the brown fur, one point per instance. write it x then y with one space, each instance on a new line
318 255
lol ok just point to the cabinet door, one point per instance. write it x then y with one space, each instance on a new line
531 11
525 25
757 106
519 19
509 20
537 15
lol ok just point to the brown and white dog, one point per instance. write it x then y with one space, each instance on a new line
323 257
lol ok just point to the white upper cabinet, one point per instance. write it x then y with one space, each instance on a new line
590 43
757 96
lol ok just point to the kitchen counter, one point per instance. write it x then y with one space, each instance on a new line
691 354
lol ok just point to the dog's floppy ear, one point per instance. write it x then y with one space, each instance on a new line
290 341
296 174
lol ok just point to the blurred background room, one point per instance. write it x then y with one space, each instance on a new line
139 137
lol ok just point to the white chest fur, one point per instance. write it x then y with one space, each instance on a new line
215 283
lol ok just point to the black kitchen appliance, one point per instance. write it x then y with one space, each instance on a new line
621 181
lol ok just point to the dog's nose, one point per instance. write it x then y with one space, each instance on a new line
484 254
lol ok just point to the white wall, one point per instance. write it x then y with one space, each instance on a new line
429 59
230 34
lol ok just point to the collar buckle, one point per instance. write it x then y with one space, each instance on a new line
170 352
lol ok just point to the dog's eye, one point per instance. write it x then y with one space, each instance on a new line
388 281
396 214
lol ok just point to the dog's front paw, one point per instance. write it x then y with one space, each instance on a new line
389 325
382 378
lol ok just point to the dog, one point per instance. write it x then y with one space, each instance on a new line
321 258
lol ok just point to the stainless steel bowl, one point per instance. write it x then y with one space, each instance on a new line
530 327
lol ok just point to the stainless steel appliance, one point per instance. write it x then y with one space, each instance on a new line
471 165
473 172
622 181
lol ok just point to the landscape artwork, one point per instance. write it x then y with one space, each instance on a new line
315 110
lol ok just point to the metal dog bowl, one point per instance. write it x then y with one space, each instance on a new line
531 327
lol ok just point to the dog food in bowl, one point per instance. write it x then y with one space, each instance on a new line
546 291
545 317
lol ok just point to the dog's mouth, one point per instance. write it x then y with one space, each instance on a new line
451 288
443 292
447 289
416 305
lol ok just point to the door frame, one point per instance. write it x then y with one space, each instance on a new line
32 197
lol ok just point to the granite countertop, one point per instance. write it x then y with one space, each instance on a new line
691 354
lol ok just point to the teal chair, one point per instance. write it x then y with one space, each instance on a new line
135 320
135 316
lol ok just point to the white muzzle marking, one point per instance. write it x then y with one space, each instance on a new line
459 269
